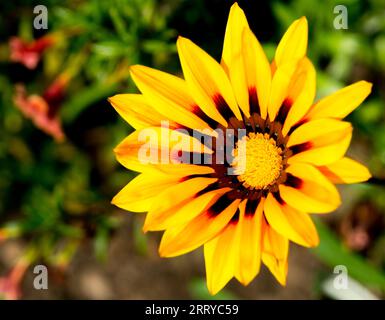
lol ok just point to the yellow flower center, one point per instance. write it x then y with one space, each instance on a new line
257 161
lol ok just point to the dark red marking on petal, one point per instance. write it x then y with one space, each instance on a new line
284 110
199 112
222 106
211 187
293 181
191 176
297 125
235 218
253 101
218 207
277 197
298 148
251 207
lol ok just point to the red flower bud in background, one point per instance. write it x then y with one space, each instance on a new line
10 284
43 110
29 54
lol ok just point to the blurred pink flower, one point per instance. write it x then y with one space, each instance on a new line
10 284
9 290
29 54
43 110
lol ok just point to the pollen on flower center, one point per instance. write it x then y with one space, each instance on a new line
257 161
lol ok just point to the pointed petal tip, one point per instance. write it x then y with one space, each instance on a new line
364 86
235 6
316 242
282 282
180 41
245 282
368 85
112 100
303 19
164 249
213 290
135 68
147 225
281 278
212 293
162 252
132 67
301 23
180 38
145 228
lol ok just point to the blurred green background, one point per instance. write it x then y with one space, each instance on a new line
58 172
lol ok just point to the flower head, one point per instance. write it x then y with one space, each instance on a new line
287 152
29 54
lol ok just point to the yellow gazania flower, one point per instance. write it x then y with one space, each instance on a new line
294 149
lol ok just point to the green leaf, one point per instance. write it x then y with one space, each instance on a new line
333 253
140 239
101 242
109 49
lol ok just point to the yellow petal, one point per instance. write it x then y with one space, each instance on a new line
346 170
290 51
320 142
339 104
308 190
136 111
232 61
171 198
139 193
169 95
184 238
183 212
236 22
258 73
207 81
278 268
250 224
320 132
155 146
293 44
323 155
290 223
221 256
301 93
280 88
275 253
